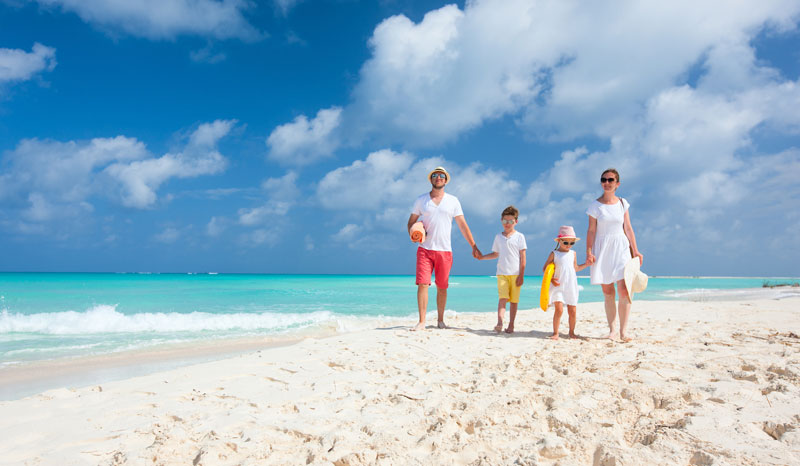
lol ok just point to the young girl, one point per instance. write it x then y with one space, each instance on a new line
565 280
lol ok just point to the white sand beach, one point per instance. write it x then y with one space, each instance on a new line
704 383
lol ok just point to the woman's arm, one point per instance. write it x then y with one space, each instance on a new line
628 228
590 237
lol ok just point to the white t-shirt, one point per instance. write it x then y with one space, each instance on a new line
437 220
508 249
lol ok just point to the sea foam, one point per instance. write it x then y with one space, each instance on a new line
734 294
106 319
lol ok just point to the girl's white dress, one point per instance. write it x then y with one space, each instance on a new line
567 291
611 247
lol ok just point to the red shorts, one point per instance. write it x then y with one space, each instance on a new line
438 262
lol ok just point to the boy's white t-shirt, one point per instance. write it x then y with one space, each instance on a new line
437 220
508 249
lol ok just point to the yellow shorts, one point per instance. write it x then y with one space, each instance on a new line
507 288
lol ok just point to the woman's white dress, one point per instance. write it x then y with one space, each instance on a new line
611 247
567 290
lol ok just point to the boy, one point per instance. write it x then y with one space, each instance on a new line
509 249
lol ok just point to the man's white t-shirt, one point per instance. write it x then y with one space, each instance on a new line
508 249
437 220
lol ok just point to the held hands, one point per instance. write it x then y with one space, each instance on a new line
476 253
589 258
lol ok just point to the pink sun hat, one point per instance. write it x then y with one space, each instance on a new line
565 232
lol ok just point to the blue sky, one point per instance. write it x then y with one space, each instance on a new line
292 136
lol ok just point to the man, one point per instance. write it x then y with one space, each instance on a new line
437 210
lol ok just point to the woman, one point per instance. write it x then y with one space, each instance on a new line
609 244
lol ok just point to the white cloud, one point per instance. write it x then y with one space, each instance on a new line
348 233
384 178
283 188
263 214
216 226
260 237
19 65
165 19
561 69
207 55
303 142
139 180
282 193
168 236
284 6
44 181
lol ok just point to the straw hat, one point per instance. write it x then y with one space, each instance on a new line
566 232
635 279
440 169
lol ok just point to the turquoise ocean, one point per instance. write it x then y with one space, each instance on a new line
46 316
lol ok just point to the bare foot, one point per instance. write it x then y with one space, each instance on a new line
510 329
554 337
612 336
499 327
574 336
419 326
626 339
441 324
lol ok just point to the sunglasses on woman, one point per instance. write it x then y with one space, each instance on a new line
608 180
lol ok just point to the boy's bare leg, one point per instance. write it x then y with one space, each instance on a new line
422 304
624 311
559 309
573 319
611 310
441 302
501 313
513 312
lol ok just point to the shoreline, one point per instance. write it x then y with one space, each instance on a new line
30 378
703 383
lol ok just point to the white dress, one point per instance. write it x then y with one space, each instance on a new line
567 291
611 247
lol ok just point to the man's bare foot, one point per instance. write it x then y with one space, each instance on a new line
510 329
554 336
441 324
419 326
499 327
574 336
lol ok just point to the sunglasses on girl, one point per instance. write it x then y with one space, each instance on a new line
568 243
608 180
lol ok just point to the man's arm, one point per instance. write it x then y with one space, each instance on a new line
462 225
411 221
